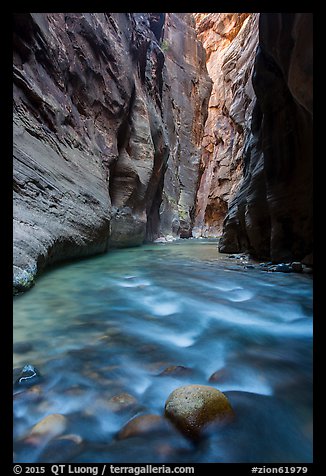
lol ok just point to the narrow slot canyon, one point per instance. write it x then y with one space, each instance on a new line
163 237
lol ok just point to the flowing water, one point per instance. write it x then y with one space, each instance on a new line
108 326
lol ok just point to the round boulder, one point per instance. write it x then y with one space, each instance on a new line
192 408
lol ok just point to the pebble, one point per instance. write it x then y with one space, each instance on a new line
176 371
49 427
121 402
62 449
34 394
218 375
143 424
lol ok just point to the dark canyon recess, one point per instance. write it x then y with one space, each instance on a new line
109 121
271 214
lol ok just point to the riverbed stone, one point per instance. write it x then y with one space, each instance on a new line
61 449
143 424
50 426
296 266
176 371
34 394
192 408
281 268
218 375
122 401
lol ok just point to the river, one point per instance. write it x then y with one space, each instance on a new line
111 325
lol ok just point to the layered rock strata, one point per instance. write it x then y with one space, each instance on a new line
188 89
230 40
96 128
271 214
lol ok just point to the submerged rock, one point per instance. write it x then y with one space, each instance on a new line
297 266
193 407
121 402
49 427
218 375
143 424
22 347
62 449
34 394
176 371
29 375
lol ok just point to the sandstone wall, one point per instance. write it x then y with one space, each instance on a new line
271 214
230 41
95 130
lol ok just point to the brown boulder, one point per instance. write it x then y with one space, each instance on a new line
193 407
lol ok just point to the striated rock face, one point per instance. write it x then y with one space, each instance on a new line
95 129
271 214
230 40
187 90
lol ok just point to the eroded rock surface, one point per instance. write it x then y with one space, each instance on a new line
271 214
230 40
189 87
95 129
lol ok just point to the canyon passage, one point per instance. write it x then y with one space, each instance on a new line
163 248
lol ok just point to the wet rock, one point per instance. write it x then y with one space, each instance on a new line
143 424
297 266
165 239
176 371
34 394
22 347
121 402
49 427
193 407
29 375
281 268
265 265
62 449
218 375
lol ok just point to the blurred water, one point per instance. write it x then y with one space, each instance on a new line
111 324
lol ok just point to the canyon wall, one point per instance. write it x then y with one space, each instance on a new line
230 40
99 118
271 214
188 89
